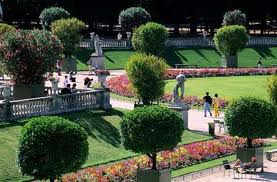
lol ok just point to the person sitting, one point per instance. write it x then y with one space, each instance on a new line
74 89
66 90
87 82
238 164
71 78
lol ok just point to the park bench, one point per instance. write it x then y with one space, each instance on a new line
274 65
271 155
186 66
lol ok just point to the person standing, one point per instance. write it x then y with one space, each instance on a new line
66 81
119 36
207 104
216 105
259 63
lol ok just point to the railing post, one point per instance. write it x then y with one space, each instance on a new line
103 99
7 110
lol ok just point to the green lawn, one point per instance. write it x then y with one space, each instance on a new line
203 57
104 140
226 87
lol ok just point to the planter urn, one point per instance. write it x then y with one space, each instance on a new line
149 175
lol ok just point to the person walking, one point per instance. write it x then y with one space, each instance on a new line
216 106
207 104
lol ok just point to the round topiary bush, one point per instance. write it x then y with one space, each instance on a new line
251 118
133 17
235 17
229 40
146 74
51 146
49 15
69 32
6 28
151 129
150 38
29 55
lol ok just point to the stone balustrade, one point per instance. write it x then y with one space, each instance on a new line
55 104
179 42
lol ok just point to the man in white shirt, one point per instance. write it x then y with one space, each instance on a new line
66 81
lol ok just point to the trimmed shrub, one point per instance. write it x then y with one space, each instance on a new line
150 39
29 55
51 146
151 129
251 118
235 17
69 32
133 17
146 74
49 15
272 89
6 28
231 39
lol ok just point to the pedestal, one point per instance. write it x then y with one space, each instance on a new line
183 110
97 61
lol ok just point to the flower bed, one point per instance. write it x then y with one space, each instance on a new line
179 157
120 85
212 72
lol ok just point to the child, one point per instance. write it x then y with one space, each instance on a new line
216 105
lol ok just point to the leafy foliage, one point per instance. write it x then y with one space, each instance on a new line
69 32
151 129
272 88
6 28
133 17
251 118
51 146
231 39
49 15
28 55
150 39
146 74
235 17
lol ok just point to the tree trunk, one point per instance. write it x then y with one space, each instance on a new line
153 158
52 179
249 142
145 102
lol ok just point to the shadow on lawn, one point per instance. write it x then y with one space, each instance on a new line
96 126
172 57
264 52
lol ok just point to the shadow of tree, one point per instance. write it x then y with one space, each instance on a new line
172 57
264 52
83 55
199 52
97 126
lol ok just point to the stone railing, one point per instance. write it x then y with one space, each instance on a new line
55 104
108 43
179 42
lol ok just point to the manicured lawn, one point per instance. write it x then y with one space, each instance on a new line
104 140
203 57
226 87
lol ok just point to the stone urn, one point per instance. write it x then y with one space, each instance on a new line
149 175
55 85
7 91
102 79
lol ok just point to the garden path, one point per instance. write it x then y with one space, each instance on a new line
269 174
196 120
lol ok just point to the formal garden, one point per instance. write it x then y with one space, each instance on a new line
78 136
